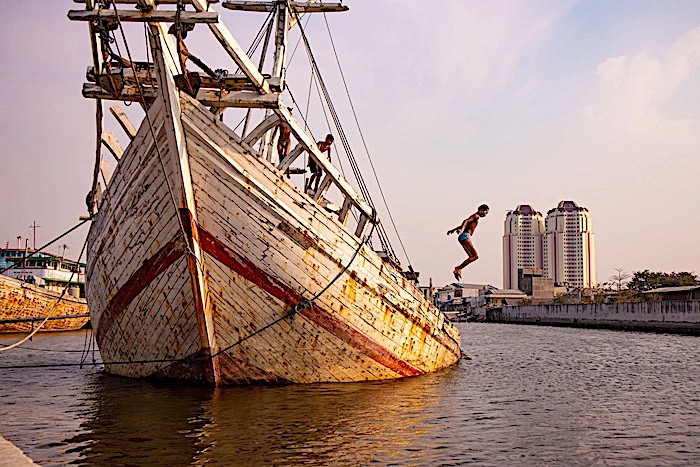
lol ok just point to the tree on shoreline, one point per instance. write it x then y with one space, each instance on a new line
648 280
619 278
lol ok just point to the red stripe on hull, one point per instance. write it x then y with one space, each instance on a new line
171 252
327 320
149 270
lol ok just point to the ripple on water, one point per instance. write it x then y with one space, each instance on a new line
528 395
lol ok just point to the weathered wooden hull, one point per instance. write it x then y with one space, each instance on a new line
261 246
24 306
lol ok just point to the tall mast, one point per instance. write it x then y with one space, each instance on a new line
278 69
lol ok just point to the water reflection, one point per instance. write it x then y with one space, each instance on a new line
129 422
179 425
529 395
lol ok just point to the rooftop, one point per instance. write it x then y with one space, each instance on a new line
686 288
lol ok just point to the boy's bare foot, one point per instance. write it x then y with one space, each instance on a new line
457 273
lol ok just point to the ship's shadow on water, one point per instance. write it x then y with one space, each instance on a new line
146 422
529 396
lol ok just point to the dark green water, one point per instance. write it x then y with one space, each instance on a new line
529 395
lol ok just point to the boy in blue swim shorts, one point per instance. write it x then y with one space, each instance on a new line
466 231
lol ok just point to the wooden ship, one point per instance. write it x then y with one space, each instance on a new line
207 262
37 287
24 306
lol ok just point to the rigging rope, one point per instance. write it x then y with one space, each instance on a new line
294 310
381 233
364 143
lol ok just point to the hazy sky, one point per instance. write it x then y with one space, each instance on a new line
461 103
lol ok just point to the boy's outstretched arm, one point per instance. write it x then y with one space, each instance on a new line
458 228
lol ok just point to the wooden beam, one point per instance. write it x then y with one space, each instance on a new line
181 180
323 188
310 146
208 97
233 48
123 121
130 93
145 75
245 99
291 157
300 7
278 70
262 128
106 172
112 144
361 226
146 5
158 2
344 211
154 16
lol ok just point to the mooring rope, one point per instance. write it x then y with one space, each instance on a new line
53 309
304 304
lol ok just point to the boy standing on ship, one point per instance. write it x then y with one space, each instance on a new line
316 170
466 231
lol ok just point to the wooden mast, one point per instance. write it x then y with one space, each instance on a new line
278 71
266 94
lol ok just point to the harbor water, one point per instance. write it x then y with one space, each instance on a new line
527 395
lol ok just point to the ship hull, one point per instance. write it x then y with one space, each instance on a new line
204 291
24 306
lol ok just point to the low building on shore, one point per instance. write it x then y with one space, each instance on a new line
458 295
689 292
533 282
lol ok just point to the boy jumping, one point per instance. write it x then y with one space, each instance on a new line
466 231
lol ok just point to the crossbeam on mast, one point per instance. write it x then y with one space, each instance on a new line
135 2
134 16
145 75
299 7
208 97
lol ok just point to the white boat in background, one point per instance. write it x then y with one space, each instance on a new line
33 289
206 261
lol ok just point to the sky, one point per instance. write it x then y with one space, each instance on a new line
460 103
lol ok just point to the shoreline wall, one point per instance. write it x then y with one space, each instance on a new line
681 316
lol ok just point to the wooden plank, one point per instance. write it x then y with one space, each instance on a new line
278 69
291 157
134 2
123 121
154 16
145 76
299 7
234 50
112 144
245 99
345 211
208 97
262 128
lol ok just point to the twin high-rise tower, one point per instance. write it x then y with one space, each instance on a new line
561 244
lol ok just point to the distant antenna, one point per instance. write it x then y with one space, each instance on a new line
34 226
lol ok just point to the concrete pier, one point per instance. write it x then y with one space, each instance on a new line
682 316
11 455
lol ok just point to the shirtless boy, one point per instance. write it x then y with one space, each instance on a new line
316 170
466 230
